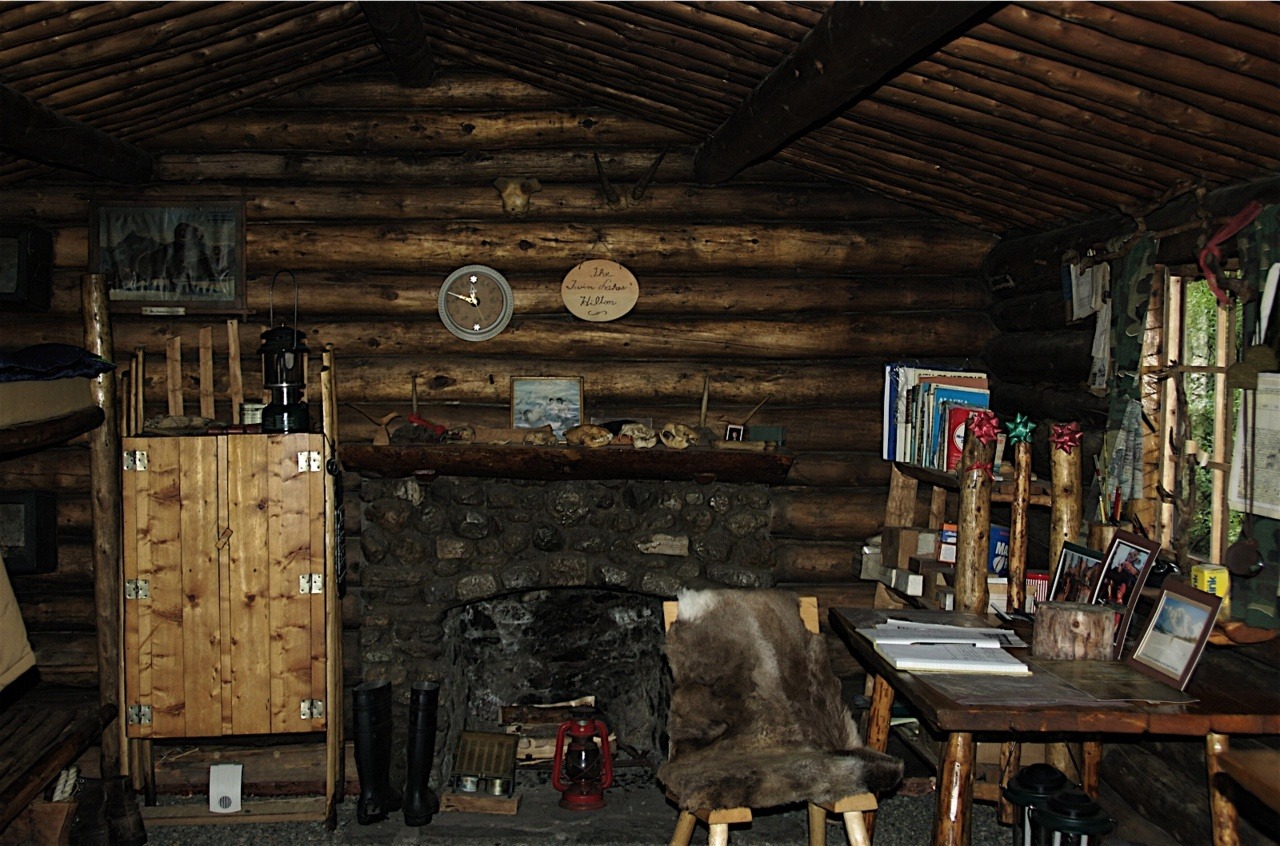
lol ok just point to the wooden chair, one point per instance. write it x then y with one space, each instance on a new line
851 808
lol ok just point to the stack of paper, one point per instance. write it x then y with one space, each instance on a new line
921 647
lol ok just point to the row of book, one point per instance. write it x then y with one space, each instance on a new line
925 411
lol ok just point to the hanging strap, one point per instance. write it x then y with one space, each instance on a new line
1211 254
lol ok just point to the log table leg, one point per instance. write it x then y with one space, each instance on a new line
1090 766
878 729
1010 762
955 791
1222 810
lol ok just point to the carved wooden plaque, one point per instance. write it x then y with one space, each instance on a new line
599 290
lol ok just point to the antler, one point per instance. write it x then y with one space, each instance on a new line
637 191
611 195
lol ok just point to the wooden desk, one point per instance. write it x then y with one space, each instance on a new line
1226 703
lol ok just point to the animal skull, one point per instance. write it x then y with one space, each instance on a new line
679 436
542 436
515 193
588 435
463 434
642 436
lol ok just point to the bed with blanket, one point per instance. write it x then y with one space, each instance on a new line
45 399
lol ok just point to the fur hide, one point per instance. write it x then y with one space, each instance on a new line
756 718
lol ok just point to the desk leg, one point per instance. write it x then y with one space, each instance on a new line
955 791
1090 766
1222 810
1010 763
878 730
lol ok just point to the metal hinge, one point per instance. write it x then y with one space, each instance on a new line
312 709
309 462
139 715
311 583
135 459
137 589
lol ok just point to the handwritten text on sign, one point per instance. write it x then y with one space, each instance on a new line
599 290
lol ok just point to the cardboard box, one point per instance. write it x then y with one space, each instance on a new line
997 547
899 543
1214 579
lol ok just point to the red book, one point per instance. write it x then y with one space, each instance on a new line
957 417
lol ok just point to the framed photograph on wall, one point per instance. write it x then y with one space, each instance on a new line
1176 634
174 258
554 401
1124 571
1077 575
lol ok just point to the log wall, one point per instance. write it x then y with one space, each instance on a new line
776 285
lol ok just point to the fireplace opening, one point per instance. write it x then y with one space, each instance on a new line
552 646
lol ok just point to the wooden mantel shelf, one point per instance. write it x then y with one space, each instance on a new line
30 437
560 462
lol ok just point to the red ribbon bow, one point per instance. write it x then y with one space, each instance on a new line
981 467
1066 436
985 426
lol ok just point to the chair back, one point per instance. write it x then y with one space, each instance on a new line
808 613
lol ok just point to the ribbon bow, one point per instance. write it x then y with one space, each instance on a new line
1066 436
985 426
981 467
1020 429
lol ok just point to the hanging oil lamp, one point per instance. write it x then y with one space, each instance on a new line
582 770
284 370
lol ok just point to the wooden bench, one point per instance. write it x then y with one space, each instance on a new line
37 741
1256 771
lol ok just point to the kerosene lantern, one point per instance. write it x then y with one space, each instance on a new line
1032 787
284 371
582 770
1071 818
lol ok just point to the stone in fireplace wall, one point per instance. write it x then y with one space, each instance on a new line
430 546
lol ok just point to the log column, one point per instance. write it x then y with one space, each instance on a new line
1017 574
104 468
974 527
1065 512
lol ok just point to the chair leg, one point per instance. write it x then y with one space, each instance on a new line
855 828
685 824
817 825
719 835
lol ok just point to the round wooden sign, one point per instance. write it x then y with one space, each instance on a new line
599 290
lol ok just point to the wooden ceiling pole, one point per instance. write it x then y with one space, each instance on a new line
36 132
844 57
400 32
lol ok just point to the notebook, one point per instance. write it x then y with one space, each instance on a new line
951 658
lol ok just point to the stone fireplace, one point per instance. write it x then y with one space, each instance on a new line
541 591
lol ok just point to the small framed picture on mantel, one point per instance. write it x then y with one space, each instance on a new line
171 258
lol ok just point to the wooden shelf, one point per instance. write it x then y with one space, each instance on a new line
548 463
41 434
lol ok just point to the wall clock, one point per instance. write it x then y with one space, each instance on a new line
476 302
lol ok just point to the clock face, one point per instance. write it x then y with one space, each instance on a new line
475 302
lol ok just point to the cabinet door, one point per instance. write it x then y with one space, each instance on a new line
226 534
172 617
275 624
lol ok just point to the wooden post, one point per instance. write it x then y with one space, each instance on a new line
955 789
901 507
138 385
1017 574
334 690
104 471
1065 511
1221 809
206 372
173 376
235 383
1010 762
974 527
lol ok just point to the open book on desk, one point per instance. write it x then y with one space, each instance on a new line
951 658
904 631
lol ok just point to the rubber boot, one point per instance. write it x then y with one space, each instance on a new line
123 814
420 802
371 718
89 827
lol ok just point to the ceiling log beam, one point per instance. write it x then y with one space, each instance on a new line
853 49
36 132
400 32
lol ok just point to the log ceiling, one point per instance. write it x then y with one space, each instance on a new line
1018 117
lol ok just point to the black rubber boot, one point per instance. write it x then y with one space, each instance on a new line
372 721
123 814
420 802
89 827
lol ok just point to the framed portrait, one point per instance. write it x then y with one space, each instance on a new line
1077 575
1124 571
171 259
1176 633
554 401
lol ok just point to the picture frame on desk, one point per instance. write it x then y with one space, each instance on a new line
1176 633
1124 572
1078 574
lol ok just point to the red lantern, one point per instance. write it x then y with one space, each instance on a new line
583 770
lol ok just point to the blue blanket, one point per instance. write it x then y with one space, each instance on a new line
45 362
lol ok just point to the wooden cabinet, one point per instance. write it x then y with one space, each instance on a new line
227 602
